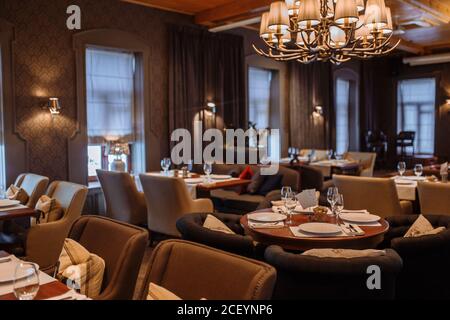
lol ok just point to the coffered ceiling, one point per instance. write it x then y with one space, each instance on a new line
423 25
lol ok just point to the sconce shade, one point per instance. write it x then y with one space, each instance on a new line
279 17
309 13
375 16
53 106
346 12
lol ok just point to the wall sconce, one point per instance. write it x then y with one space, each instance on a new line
210 109
53 106
448 102
318 111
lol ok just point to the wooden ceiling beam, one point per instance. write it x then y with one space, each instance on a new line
408 46
436 8
231 10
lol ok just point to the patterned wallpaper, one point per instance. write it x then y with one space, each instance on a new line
45 66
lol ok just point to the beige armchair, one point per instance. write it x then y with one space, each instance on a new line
377 195
123 201
44 242
319 155
365 159
193 271
34 185
167 200
434 198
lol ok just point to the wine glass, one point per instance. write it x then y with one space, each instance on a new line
330 154
401 167
165 165
339 204
207 168
331 197
26 281
290 204
285 191
418 170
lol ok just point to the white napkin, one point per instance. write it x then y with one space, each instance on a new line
444 168
69 295
265 225
307 198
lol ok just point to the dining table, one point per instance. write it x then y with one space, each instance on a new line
18 211
285 238
49 287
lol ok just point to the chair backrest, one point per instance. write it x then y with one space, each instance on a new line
318 154
308 277
406 136
194 271
311 178
34 185
167 199
45 241
434 198
365 159
121 245
377 195
123 201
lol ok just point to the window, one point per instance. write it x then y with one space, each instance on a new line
263 106
342 115
2 139
110 104
416 111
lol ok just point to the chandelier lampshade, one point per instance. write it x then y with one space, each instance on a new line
309 13
279 17
346 12
326 30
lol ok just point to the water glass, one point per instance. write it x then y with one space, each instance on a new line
330 154
290 203
26 281
418 170
207 169
331 197
165 165
285 191
339 205
401 167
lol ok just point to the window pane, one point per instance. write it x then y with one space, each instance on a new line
416 111
259 82
110 94
2 142
342 116
94 159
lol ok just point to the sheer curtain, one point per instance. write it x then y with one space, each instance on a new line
110 95
259 84
416 111
2 139
342 115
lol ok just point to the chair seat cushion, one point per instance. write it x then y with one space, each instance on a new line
156 292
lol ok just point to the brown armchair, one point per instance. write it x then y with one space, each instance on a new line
121 245
44 242
193 271
123 201
34 185
434 198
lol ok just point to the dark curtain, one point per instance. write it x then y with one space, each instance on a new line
205 67
310 85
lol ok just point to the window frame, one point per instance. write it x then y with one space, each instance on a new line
413 76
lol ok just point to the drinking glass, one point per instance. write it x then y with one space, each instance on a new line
401 167
26 281
418 169
165 165
2 192
207 168
285 191
330 154
331 197
339 205
290 204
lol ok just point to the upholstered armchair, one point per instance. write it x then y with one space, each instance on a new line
434 198
44 241
377 195
120 245
168 199
366 161
191 228
309 277
123 201
34 185
426 259
193 271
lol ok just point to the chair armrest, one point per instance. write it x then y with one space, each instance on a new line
273 195
422 246
202 205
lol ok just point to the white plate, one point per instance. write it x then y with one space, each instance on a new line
266 217
414 178
8 203
220 176
359 217
8 269
320 228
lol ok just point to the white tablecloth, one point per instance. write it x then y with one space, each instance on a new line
406 188
326 165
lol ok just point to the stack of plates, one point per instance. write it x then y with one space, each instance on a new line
320 228
268 217
359 217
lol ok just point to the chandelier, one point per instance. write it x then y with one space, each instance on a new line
326 30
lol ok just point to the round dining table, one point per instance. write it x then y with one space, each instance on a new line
283 236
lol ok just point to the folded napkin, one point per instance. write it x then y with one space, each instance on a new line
352 229
444 168
265 225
